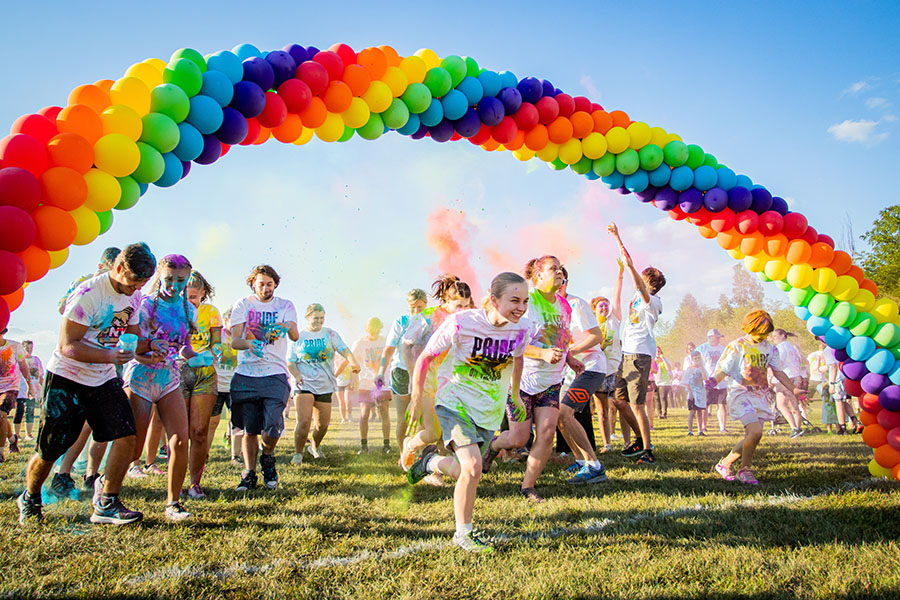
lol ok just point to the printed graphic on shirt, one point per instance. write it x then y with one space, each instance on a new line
109 336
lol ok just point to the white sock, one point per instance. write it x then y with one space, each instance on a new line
594 464
580 463
431 467
463 528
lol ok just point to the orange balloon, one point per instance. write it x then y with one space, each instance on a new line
491 145
602 121
874 435
71 150
895 472
752 243
776 245
80 119
582 124
560 130
887 456
867 418
841 263
729 239
14 300
91 96
357 79
821 255
537 138
798 252
56 229
337 97
63 188
264 134
517 142
105 84
856 273
374 60
37 262
315 114
289 130
393 59
620 119
868 284
707 231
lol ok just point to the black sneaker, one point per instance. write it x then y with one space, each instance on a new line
387 447
646 457
248 481
114 513
29 509
270 474
488 456
633 450
88 483
417 471
14 445
62 485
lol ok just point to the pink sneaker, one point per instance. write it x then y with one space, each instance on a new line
746 476
725 472
153 470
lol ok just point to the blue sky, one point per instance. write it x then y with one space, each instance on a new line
803 100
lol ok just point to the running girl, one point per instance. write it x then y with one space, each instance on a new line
370 391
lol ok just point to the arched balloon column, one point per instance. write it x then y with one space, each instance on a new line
65 169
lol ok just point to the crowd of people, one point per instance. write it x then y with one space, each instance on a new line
470 380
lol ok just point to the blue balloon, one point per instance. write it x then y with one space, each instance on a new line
739 198
614 181
818 325
205 114
508 79
726 179
172 173
234 127
190 142
690 200
779 205
217 86
455 104
592 176
143 187
469 125
212 150
511 99
715 200
283 66
548 89
298 53
490 83
411 126
245 51
228 64
490 110
660 175
472 89
433 114
648 194
637 181
881 361
744 181
860 348
762 200
682 178
442 132
311 51
666 198
530 89
802 312
260 72
705 177
249 99
838 337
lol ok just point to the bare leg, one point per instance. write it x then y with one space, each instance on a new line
173 413
322 419
364 409
401 405
199 412
72 453
384 409
745 448
575 435
304 406
545 419
466 470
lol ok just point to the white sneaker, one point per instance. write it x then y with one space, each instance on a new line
434 479
135 472
298 459
316 452
176 513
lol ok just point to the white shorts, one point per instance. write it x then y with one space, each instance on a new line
749 407
151 384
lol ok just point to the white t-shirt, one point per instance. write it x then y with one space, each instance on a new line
818 368
395 336
553 330
790 359
10 354
694 380
106 313
612 343
368 355
745 359
258 317
226 365
711 355
637 331
314 354
583 318
474 379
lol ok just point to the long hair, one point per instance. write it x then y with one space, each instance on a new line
198 281
534 265
449 286
172 261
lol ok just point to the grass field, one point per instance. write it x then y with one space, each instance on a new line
351 527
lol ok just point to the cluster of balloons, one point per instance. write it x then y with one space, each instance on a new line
64 169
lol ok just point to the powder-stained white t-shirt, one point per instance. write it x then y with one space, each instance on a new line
258 318
637 330
583 319
313 353
552 330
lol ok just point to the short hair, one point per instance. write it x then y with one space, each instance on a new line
108 258
757 322
266 270
28 342
654 278
597 300
314 308
416 295
138 260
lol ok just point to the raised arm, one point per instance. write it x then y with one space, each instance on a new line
639 284
617 292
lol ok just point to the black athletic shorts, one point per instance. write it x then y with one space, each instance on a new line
68 404
222 399
582 390
318 397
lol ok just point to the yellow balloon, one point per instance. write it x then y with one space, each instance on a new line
570 151
736 254
777 269
120 118
523 154
617 140
845 288
863 301
396 79
640 135
659 136
116 154
332 129
549 153
378 97
800 276
146 73
304 137
104 191
885 310
132 92
824 280
756 263
357 115
430 58
88 224
58 257
415 69
877 470
157 63
594 145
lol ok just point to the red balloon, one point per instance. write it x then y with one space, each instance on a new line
19 187
583 104
527 116
296 95
811 236
56 228
274 112
677 214
746 221
332 63
253 131
853 388
869 403
794 225
17 229
893 438
20 150
314 75
483 135
826 239
51 112
595 107
566 105
771 223
548 110
37 126
348 56
701 217
4 314
505 131
722 221
889 419
12 272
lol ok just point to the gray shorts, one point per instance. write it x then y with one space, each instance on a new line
400 382
257 404
609 384
458 430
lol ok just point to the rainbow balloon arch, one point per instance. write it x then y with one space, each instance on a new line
64 170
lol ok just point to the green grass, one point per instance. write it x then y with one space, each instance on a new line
816 527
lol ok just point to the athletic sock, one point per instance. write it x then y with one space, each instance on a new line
594 464
430 465
580 463
463 528
364 443
387 443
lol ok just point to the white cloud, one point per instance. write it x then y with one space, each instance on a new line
889 118
862 131
856 88
588 82
876 103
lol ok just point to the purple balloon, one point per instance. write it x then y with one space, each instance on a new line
854 370
298 53
623 190
312 51
422 132
690 200
212 150
739 198
547 88
762 200
889 398
557 92
873 383
248 99
666 198
841 355
185 168
531 89
234 127
779 205
647 194
511 99
490 110
260 72
469 124
442 132
715 199
283 66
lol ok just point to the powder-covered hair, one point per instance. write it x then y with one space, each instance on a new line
536 264
137 260
263 270
314 308
198 281
757 322
172 261
108 258
503 281
416 295
597 300
449 286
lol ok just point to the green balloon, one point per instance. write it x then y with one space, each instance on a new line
696 156
583 166
106 221
160 131
801 296
457 68
151 166
557 165
418 97
605 165
651 157
887 335
170 100
192 55
348 133
783 285
628 162
185 74
821 305
438 81
131 193
710 161
863 325
472 68
675 153
761 275
843 315
373 128
397 114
